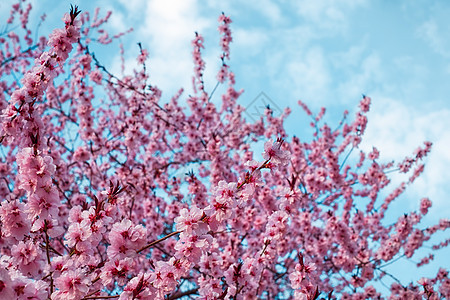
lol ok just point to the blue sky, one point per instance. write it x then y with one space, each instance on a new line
326 53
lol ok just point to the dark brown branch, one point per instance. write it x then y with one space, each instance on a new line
158 241
101 297
180 294
4 62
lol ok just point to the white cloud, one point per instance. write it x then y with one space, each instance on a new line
327 14
117 22
308 75
166 30
133 6
351 57
361 78
429 31
249 42
269 9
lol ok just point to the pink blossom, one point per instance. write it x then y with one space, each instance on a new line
190 221
81 154
25 288
96 76
210 288
117 271
143 56
77 234
43 203
6 285
223 204
192 246
28 257
139 288
273 152
126 238
72 284
14 220
365 104
425 204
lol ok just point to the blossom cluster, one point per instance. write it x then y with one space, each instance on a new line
123 195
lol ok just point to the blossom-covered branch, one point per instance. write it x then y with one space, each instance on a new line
109 192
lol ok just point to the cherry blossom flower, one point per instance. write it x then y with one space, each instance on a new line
139 288
126 238
117 271
27 257
6 285
272 151
14 220
190 221
72 285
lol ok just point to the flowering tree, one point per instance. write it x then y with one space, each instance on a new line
91 209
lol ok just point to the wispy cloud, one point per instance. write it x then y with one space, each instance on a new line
166 29
430 32
327 14
309 75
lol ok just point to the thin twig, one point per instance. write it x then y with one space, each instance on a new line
158 241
